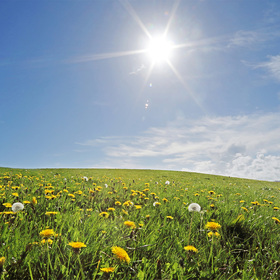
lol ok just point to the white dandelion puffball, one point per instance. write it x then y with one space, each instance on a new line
167 183
194 207
17 207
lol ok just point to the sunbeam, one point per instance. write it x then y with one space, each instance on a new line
173 12
101 56
192 95
134 15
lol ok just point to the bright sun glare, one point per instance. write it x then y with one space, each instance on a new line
159 49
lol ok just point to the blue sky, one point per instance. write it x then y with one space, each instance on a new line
79 89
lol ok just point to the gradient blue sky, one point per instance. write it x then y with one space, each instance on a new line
75 91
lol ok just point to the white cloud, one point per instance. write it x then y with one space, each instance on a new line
241 146
253 38
260 166
272 66
245 38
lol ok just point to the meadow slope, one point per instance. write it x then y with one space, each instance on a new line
137 224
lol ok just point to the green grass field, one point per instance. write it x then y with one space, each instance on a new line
135 224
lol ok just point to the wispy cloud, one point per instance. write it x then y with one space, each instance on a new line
245 38
253 38
241 146
272 14
272 66
139 69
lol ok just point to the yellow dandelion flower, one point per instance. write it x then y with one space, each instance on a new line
8 212
211 234
49 241
130 224
15 194
78 192
241 201
77 245
127 203
276 208
277 221
111 209
7 205
47 233
138 207
26 202
244 208
50 213
212 226
118 203
169 217
34 201
190 248
156 203
2 261
49 191
164 199
121 254
255 203
104 214
107 269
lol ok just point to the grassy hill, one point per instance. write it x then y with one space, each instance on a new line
137 224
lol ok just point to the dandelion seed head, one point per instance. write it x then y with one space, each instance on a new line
17 207
194 207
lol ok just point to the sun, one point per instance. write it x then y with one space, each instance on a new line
159 49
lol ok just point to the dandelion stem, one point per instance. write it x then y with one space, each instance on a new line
211 257
96 271
30 271
190 229
81 270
